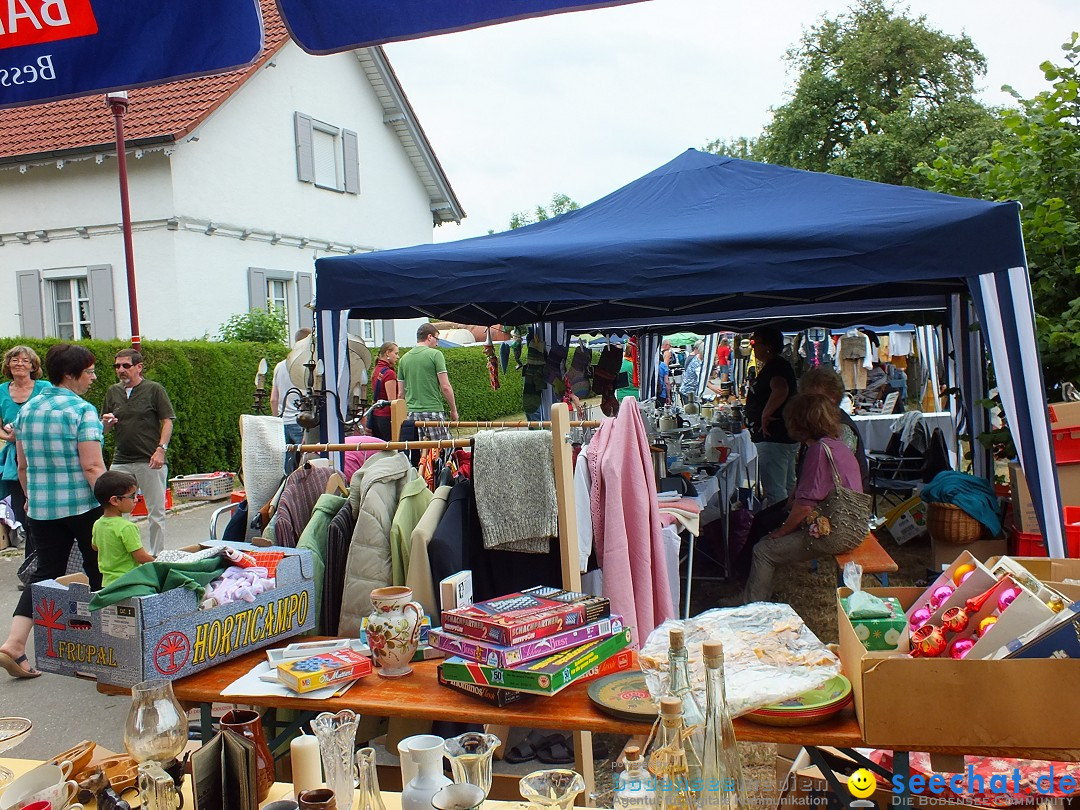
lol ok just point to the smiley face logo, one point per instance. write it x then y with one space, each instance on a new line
862 783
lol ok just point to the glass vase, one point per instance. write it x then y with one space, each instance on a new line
370 795
156 727
553 789
470 758
336 734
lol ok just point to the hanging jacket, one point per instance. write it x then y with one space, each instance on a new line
314 538
415 497
302 491
373 495
338 539
418 572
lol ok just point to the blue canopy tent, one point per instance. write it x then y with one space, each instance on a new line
705 235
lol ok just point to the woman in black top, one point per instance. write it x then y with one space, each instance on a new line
772 388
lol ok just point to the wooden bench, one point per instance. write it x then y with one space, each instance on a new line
873 559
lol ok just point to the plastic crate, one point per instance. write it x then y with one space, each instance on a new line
140 504
209 487
1032 544
1066 445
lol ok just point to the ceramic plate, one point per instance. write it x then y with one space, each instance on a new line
812 706
624 695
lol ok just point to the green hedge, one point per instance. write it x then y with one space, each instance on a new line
210 385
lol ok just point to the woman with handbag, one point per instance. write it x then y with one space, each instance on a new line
830 513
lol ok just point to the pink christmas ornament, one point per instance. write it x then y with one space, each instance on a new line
941 595
1006 598
965 575
961 647
920 617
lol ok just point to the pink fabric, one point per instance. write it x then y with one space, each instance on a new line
354 459
626 522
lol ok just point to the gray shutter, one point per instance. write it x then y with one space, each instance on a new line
305 153
31 313
256 288
102 303
305 316
351 149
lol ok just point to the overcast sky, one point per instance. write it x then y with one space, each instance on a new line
583 103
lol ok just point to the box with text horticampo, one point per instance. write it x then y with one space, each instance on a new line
166 635
908 703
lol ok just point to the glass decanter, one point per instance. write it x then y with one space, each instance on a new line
336 734
157 726
721 767
668 760
370 795
470 758
553 789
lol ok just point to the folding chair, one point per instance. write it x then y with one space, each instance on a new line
898 471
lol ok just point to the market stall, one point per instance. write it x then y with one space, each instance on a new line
706 235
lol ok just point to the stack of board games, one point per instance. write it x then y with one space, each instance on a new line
535 642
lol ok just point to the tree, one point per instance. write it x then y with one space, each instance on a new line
742 147
1037 163
876 91
560 204
257 326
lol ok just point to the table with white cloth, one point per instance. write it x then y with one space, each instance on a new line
876 429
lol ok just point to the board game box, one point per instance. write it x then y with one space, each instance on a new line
531 614
496 655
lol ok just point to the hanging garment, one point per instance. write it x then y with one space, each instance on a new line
900 344
583 509
354 459
854 374
853 346
338 538
515 468
315 539
492 362
373 495
626 522
418 574
816 347
302 490
577 375
415 497
884 349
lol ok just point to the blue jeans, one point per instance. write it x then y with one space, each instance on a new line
776 470
294 434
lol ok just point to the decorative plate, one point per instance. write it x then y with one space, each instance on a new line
624 695
812 706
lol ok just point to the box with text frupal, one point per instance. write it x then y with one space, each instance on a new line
533 613
165 635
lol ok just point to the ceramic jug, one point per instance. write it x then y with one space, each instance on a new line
426 751
249 724
393 629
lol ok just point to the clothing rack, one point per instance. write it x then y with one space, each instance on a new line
562 455
423 423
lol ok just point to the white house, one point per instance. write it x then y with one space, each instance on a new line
237 182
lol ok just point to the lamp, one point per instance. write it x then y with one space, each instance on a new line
155 734
260 388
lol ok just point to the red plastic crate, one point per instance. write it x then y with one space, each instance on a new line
1072 533
1066 445
140 504
1032 544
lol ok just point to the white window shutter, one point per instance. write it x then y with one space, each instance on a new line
351 153
256 288
305 155
31 313
305 316
102 303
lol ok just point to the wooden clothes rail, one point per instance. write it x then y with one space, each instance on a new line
423 423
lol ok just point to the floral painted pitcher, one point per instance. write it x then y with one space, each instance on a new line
392 633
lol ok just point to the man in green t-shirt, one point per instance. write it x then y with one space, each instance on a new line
425 383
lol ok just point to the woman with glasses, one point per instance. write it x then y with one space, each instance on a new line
58 436
23 366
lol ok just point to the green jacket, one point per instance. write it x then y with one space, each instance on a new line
415 497
314 538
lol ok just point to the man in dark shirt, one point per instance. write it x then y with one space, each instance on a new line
140 411
773 386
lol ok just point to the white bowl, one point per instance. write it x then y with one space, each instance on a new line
48 782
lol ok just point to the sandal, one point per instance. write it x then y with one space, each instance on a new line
557 749
526 749
14 666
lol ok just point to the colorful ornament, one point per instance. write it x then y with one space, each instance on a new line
1007 597
986 623
941 595
954 620
920 617
961 647
966 576
927 642
962 572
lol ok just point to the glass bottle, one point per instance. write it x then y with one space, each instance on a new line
636 789
679 686
668 760
370 795
721 767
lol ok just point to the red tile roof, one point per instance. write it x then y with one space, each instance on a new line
163 112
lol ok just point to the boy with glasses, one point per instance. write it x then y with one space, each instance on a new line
116 538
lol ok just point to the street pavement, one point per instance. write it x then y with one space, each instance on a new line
66 710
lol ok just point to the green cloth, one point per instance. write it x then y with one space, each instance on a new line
419 369
314 539
139 415
415 497
155 577
116 539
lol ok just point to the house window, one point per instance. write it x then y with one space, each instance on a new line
284 290
71 308
327 156
367 332
277 297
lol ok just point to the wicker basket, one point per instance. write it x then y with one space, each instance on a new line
951 524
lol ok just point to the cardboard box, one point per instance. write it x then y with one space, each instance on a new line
912 703
1064 414
165 635
1059 639
336 666
886 633
489 694
942 554
5 536
1024 510
906 521
532 613
495 655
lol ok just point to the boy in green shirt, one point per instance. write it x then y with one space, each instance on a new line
116 538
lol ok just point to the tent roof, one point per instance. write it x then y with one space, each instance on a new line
701 234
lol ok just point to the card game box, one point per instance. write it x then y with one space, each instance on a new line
533 613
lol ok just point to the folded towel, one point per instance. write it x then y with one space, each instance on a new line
514 484
263 452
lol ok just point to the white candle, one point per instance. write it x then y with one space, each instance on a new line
306 763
